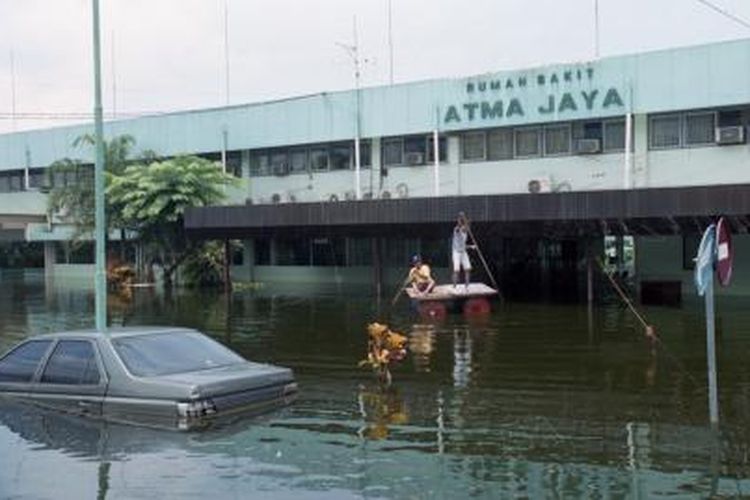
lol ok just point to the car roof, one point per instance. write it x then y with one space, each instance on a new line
119 332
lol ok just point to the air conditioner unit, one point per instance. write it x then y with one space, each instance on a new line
350 196
385 195
275 198
402 190
333 197
280 169
730 135
414 158
588 146
367 195
541 185
291 198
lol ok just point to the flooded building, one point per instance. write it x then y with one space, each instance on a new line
626 157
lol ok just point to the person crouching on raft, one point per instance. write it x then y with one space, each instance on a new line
420 276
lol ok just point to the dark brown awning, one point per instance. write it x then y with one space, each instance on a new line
636 211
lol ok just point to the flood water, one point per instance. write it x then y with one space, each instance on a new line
535 401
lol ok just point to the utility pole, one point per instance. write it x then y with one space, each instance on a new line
390 38
353 51
100 278
13 89
596 29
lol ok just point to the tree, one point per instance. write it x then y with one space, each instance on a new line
71 197
151 201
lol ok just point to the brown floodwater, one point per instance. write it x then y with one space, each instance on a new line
535 400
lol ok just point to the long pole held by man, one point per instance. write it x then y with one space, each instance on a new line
461 234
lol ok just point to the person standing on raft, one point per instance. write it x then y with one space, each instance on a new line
459 247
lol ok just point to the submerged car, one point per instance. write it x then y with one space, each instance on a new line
175 377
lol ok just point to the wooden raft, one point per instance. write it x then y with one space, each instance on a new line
447 293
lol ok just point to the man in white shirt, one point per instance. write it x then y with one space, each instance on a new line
459 246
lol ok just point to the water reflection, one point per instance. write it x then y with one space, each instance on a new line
534 401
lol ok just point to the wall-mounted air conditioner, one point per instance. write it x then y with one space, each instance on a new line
540 185
730 135
414 158
275 198
588 146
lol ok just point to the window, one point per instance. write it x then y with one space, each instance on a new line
262 251
472 146
500 144
328 251
442 149
293 252
342 156
36 178
173 352
21 363
664 132
73 362
259 163
415 150
365 154
319 158
393 150
700 128
614 135
298 161
527 142
279 163
234 163
557 140
730 118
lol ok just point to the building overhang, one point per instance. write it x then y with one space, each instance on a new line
653 211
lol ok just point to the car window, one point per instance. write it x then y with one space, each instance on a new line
72 362
172 352
21 363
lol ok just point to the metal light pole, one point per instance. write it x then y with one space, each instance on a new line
100 281
353 51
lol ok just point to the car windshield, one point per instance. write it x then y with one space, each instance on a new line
172 352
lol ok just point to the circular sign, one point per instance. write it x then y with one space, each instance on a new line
724 253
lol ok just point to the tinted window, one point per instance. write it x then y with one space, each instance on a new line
20 364
72 362
172 352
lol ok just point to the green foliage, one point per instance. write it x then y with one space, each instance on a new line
151 200
71 197
204 268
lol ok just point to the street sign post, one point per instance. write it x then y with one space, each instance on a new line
715 254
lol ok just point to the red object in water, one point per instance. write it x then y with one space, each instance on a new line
476 306
724 253
432 310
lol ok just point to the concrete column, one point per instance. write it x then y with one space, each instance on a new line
377 266
273 257
376 166
49 261
245 162
640 151
248 258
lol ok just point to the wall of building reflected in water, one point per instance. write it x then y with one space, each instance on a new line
536 400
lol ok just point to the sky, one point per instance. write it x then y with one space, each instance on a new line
168 55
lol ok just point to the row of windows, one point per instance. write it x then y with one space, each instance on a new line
305 159
412 150
677 130
71 363
394 151
665 131
12 181
533 142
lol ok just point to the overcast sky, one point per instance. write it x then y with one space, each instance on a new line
165 55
